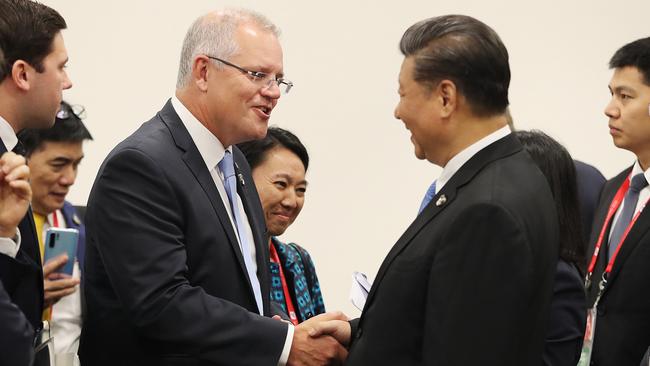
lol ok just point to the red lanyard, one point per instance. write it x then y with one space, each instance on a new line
613 207
290 309
55 219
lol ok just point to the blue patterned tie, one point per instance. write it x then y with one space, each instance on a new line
428 196
629 206
230 183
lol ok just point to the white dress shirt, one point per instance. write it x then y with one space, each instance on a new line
7 245
212 151
455 163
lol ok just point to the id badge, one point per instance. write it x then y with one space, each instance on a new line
588 343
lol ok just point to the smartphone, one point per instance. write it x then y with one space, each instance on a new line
61 241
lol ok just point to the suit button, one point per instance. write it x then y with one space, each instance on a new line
359 333
601 312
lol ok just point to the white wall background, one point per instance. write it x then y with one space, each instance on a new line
365 185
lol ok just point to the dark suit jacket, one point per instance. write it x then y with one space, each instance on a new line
165 281
22 276
590 183
567 319
16 334
469 282
623 322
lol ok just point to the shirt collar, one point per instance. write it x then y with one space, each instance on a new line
462 157
636 169
7 135
209 146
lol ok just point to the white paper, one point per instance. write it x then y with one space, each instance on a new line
360 288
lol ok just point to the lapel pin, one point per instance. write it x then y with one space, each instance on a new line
441 201
239 175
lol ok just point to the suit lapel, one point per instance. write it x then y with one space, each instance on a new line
497 150
195 163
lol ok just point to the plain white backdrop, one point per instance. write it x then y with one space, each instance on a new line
365 185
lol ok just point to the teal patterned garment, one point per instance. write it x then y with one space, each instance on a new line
301 278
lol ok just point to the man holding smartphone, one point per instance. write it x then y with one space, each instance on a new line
53 156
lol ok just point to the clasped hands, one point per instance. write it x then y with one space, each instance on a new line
321 340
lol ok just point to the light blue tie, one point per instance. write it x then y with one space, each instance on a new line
629 206
230 182
431 192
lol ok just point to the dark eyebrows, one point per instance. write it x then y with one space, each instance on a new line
622 88
287 177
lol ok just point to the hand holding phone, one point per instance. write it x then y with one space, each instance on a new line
61 241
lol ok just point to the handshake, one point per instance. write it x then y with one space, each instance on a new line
321 340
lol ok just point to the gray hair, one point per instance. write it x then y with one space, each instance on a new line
213 34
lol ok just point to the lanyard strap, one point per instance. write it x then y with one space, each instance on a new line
287 296
613 207
55 218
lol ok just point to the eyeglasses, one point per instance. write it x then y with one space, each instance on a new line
261 78
66 112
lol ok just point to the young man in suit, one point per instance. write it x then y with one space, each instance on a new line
53 156
469 282
176 258
621 316
32 79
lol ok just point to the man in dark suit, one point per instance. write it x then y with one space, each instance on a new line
32 78
621 226
469 282
176 258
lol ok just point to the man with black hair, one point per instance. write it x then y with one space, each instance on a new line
617 266
469 282
32 79
53 157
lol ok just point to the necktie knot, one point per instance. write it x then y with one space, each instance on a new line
226 165
431 192
638 182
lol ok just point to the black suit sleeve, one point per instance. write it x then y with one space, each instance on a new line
136 223
481 285
16 334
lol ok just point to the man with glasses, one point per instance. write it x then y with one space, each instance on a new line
176 257
53 156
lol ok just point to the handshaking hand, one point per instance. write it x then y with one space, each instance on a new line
317 341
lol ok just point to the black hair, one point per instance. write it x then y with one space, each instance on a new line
70 128
555 162
255 151
467 52
634 54
27 29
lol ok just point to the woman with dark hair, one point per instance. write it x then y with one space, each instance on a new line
568 305
279 163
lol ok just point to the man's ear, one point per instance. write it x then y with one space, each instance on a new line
448 93
22 74
200 70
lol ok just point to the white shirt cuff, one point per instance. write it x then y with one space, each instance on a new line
284 357
10 246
